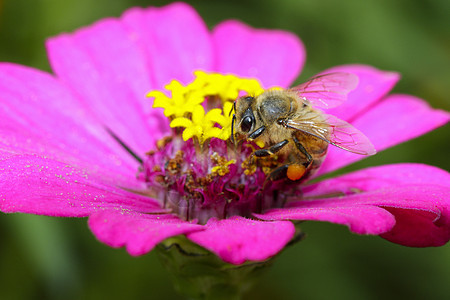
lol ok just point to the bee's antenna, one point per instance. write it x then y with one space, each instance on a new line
232 122
232 129
232 108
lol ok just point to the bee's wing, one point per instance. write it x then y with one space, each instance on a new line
336 132
327 90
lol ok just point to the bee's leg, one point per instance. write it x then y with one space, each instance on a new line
296 171
272 150
256 133
302 149
279 173
293 172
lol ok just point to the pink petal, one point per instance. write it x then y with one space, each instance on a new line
37 110
418 229
273 57
416 225
17 141
138 232
375 178
38 185
103 65
373 85
377 212
361 219
237 239
174 39
415 197
394 120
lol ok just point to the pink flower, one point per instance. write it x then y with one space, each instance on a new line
58 159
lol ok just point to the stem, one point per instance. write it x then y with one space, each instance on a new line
199 274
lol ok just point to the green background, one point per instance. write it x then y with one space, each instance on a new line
53 258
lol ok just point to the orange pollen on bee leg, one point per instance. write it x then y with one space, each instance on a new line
295 172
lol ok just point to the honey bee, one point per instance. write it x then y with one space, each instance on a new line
290 124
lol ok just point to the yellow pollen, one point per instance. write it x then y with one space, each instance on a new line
222 167
186 105
260 143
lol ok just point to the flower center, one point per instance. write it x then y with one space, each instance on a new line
197 171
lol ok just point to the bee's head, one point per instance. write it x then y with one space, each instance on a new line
243 119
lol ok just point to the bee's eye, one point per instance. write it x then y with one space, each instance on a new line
246 124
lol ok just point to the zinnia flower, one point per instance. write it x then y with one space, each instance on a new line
86 142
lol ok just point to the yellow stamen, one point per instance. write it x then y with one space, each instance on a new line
185 106
200 124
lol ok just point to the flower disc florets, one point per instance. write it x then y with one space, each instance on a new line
198 172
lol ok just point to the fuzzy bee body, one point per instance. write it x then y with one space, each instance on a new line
289 125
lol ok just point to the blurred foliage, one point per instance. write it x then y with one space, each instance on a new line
56 258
